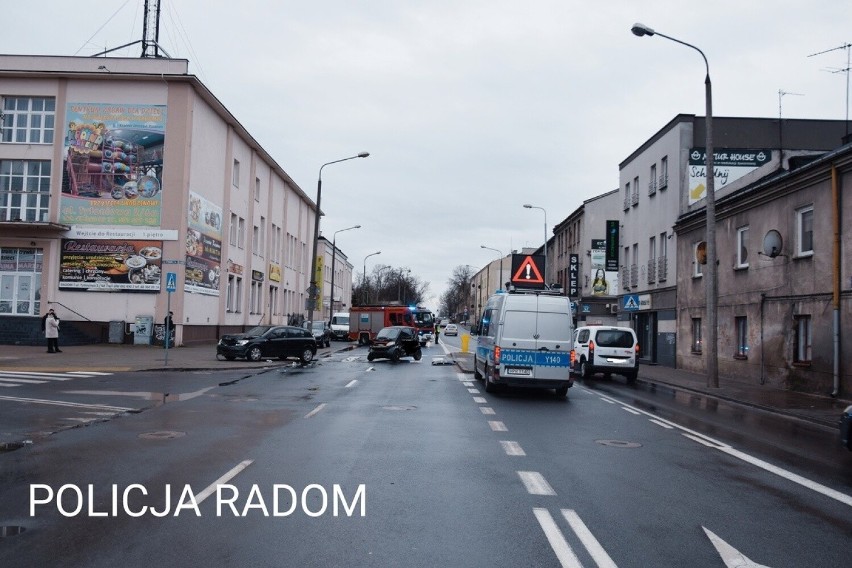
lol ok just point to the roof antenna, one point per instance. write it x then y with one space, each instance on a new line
845 46
781 93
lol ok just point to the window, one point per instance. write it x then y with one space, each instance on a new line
741 324
664 172
742 247
256 298
28 120
652 180
233 229
229 298
627 196
273 300
802 345
238 294
262 242
24 190
241 233
257 189
696 335
255 240
698 252
236 180
635 198
805 231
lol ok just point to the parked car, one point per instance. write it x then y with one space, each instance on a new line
451 329
321 331
607 350
266 341
395 342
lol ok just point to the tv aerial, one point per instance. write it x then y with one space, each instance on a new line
847 47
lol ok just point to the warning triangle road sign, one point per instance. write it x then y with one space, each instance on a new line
527 273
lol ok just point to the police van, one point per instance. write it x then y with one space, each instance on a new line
524 339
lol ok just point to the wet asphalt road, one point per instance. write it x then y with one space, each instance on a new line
450 475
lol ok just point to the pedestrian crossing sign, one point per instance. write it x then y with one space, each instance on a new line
171 281
631 302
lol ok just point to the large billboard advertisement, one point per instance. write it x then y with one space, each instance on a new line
109 265
203 246
729 165
603 282
113 164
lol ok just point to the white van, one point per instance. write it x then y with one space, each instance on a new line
524 340
340 325
607 350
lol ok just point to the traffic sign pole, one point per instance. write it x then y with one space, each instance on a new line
171 286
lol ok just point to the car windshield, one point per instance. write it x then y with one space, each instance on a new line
424 319
318 325
388 333
258 331
614 338
340 320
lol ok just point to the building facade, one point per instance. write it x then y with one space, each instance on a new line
127 189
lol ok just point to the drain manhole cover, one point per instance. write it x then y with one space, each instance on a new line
619 444
163 435
11 531
399 408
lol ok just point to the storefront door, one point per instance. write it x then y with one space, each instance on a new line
20 281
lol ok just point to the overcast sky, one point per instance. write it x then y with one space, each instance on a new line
469 108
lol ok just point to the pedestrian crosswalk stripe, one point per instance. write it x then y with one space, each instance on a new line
19 378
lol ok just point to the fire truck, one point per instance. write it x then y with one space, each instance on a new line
366 321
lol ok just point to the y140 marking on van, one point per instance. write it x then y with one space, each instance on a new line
541 358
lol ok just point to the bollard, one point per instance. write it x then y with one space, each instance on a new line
465 341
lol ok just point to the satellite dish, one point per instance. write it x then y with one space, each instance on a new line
772 243
701 253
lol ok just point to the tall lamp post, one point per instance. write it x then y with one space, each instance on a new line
314 288
501 262
364 285
333 259
528 206
710 275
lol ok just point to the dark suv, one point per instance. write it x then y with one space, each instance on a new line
321 331
264 341
395 342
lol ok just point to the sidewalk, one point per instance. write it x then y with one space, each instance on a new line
122 358
822 410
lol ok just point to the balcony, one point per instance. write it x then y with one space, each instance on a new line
634 199
652 187
625 278
662 268
626 202
652 271
664 181
634 275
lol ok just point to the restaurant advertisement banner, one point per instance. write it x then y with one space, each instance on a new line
729 165
101 265
203 246
113 163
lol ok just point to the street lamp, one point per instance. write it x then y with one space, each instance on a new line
364 284
501 262
314 288
710 211
528 206
333 259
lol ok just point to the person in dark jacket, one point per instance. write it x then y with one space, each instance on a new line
170 330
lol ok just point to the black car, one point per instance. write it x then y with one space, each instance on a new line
265 341
321 331
395 342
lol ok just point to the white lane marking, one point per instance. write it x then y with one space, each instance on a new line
557 541
512 448
658 423
9 385
208 491
722 447
462 376
535 483
732 557
63 403
87 373
38 374
487 410
789 475
594 548
630 410
479 399
473 391
468 383
699 440
497 426
100 413
351 384
607 400
19 382
80 419
315 410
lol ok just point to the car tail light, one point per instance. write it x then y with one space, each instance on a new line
636 349
497 355
573 357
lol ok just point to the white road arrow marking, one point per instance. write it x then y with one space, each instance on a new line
732 557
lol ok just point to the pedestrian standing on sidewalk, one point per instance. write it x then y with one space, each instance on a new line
170 330
51 331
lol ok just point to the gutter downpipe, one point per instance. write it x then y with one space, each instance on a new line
835 202
762 349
